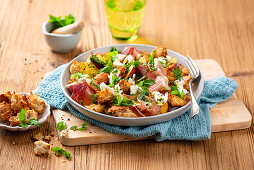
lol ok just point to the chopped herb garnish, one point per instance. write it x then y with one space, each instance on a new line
147 82
177 73
76 127
175 91
97 62
34 122
94 98
61 126
144 92
77 75
124 102
135 63
163 64
108 67
59 151
114 80
151 61
142 78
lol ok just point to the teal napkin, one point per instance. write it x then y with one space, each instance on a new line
182 127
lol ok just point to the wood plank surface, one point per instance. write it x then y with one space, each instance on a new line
226 116
220 30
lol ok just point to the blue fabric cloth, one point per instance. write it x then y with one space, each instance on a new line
216 90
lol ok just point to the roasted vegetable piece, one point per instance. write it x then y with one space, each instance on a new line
125 86
104 96
160 51
5 111
172 64
98 63
175 100
75 67
18 102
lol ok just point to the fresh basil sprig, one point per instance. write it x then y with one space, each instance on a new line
76 127
61 126
22 118
59 151
122 102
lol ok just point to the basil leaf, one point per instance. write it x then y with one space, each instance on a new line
22 115
61 126
74 128
24 125
59 150
126 102
149 82
177 73
34 122
94 98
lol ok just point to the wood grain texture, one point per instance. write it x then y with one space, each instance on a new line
220 30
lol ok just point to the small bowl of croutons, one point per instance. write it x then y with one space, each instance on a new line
22 111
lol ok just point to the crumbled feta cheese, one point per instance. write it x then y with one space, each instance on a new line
160 98
169 58
110 77
120 56
115 91
128 59
179 84
131 81
166 87
163 60
134 89
117 63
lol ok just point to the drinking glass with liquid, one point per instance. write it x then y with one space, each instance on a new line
124 17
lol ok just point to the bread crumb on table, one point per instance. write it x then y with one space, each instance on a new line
41 148
38 136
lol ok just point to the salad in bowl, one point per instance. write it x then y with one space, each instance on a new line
129 82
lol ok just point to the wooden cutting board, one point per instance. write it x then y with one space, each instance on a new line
229 115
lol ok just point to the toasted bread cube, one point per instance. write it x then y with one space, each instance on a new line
104 96
5 111
96 107
121 111
175 100
102 77
41 148
36 103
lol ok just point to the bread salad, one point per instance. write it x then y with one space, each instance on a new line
130 83
21 110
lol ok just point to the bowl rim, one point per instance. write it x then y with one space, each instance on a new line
45 32
127 118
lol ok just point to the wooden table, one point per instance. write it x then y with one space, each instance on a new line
216 29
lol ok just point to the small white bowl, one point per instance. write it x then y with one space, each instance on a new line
60 43
41 118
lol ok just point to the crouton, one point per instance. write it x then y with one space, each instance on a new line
185 70
75 67
125 86
41 148
122 111
175 100
122 71
160 51
18 102
36 103
38 136
102 77
170 75
30 114
104 96
5 111
96 107
186 80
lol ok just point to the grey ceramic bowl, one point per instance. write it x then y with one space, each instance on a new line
122 121
60 43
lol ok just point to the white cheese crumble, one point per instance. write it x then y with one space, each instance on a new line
179 84
120 56
114 90
128 59
117 63
131 80
110 77
160 98
134 89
